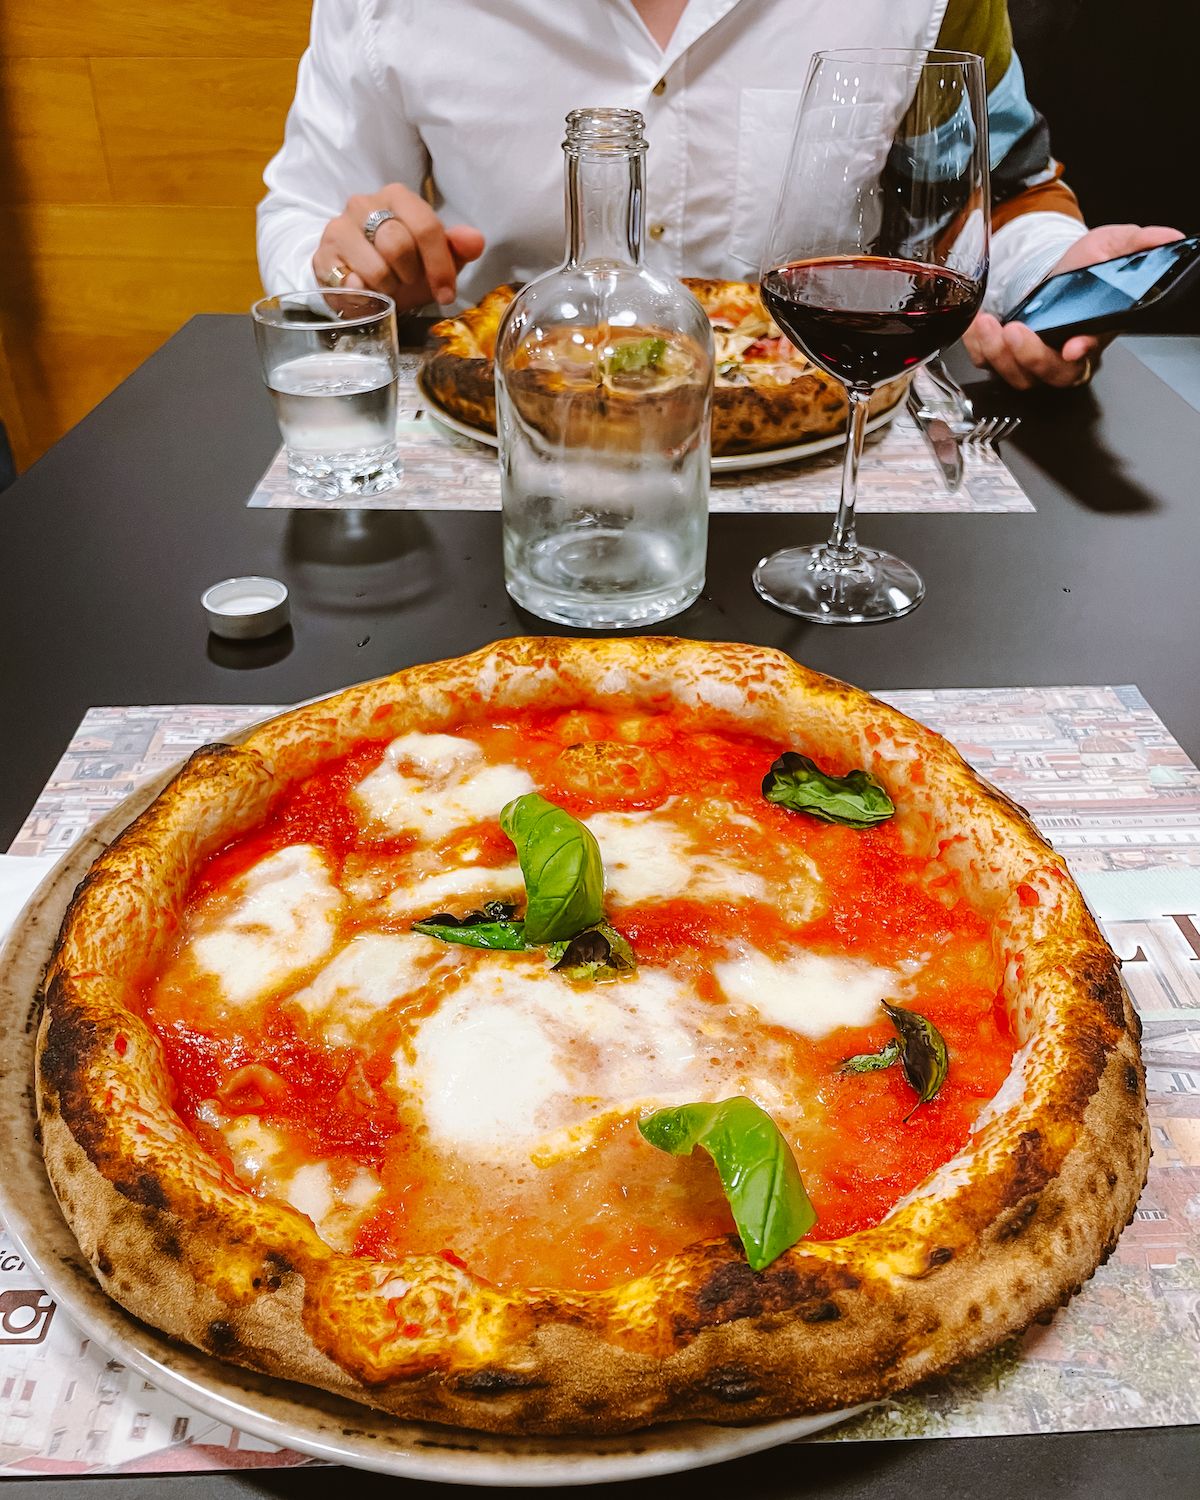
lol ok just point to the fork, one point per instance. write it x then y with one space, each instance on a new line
964 425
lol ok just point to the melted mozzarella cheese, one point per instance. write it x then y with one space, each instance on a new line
517 1053
263 1160
647 857
810 993
372 972
446 786
450 888
283 920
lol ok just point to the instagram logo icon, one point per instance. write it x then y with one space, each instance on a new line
25 1317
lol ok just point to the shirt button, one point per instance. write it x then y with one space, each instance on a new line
660 87
657 231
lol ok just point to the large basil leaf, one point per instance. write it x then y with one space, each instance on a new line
756 1166
856 800
923 1054
560 861
597 953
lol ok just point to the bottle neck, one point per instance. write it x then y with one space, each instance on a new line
605 196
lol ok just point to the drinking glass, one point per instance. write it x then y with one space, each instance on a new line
329 359
875 260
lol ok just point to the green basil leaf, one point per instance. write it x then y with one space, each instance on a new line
870 1062
637 354
506 935
856 800
756 1166
597 953
923 1054
560 861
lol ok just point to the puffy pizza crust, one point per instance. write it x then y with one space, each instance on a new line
998 1237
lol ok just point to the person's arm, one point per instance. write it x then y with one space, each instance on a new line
350 148
1037 226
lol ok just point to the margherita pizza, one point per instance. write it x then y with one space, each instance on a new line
766 394
587 1034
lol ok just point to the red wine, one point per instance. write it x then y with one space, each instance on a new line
866 318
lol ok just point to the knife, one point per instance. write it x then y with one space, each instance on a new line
939 439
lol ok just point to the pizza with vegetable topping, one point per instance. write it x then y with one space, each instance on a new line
766 393
587 1034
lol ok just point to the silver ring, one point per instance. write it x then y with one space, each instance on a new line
375 221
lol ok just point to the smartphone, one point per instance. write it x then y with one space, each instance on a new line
1110 296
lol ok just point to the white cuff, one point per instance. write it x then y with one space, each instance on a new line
1024 252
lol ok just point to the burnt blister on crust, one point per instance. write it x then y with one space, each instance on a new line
731 1292
491 1381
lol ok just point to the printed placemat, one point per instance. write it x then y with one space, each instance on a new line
1105 782
442 470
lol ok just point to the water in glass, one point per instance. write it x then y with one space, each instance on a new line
329 361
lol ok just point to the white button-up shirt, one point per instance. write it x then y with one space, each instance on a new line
471 96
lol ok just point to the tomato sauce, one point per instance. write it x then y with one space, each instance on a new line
609 1209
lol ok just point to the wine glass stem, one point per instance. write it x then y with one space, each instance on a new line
842 543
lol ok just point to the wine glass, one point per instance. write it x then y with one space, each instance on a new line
876 260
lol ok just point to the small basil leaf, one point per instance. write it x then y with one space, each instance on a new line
507 935
598 953
757 1169
923 1054
637 354
560 861
856 800
870 1062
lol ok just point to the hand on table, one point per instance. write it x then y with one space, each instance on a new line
1016 353
414 258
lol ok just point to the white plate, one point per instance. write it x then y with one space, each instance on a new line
725 463
292 1416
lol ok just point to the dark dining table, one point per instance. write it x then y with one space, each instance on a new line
107 542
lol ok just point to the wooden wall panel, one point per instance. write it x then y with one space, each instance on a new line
153 28
133 134
191 130
52 151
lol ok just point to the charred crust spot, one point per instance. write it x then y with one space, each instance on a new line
168 1245
1133 1080
494 1382
1031 1171
277 1266
145 1189
731 1291
733 1384
69 1040
974 1313
940 1256
1018 1221
1110 997
823 1312
222 1339
103 1261
1111 1178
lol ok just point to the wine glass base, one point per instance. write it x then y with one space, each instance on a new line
819 584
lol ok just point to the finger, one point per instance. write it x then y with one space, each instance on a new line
971 341
343 243
466 244
995 351
1038 360
1082 347
429 236
399 249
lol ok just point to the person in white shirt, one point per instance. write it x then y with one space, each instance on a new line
421 156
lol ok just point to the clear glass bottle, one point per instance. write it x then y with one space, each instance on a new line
604 376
